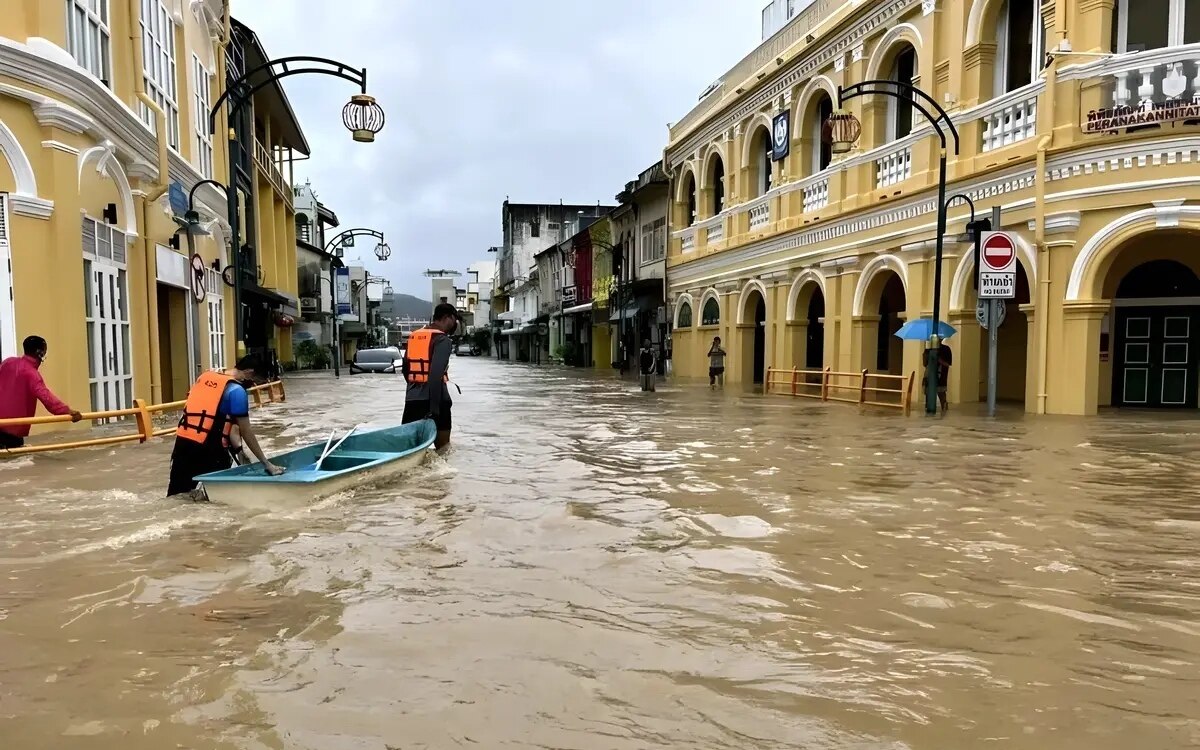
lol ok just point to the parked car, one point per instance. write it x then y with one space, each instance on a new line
385 360
466 348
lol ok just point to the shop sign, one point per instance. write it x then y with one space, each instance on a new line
1118 118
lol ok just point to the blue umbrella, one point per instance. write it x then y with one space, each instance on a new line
922 330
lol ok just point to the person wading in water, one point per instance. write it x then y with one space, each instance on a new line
426 362
647 367
716 364
216 403
21 387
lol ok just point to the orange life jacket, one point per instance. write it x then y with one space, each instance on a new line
419 356
201 422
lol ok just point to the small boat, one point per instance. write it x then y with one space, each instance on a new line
317 471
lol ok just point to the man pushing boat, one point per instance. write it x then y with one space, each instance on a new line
215 405
426 363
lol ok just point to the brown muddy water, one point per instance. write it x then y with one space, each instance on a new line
591 567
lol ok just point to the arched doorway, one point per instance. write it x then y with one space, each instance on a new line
759 162
1012 348
1155 336
716 184
752 330
814 350
889 350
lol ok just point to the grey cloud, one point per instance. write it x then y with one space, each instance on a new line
533 99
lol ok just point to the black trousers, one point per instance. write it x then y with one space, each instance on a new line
415 411
8 440
190 459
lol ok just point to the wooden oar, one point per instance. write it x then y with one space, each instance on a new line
339 443
325 450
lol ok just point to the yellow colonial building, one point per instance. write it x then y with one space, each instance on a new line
1079 118
103 119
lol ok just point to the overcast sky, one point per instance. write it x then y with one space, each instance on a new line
539 100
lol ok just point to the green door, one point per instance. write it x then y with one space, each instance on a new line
1155 357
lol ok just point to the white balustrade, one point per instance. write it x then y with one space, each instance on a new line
1009 122
716 232
893 168
687 242
760 214
1143 88
816 195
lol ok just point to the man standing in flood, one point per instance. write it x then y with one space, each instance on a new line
426 365
647 367
216 404
22 387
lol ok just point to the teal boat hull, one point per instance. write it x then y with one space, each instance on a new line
364 458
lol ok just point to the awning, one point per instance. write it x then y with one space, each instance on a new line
510 331
629 313
541 319
508 315
268 294
586 307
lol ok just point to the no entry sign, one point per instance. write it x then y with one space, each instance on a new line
998 266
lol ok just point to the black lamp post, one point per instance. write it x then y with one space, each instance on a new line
842 129
361 116
339 241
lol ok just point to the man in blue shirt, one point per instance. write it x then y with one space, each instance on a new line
216 404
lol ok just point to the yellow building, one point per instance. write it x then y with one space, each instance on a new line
103 117
270 136
1078 117
99 113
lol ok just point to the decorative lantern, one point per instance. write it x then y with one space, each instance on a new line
363 118
283 320
382 251
841 131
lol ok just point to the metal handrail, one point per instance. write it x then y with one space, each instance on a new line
144 414
794 380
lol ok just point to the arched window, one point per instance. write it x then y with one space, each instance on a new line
716 178
691 198
900 113
711 315
764 162
685 315
1153 24
1021 38
822 153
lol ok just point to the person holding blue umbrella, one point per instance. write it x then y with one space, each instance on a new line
922 330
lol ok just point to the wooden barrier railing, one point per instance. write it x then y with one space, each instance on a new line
864 388
143 414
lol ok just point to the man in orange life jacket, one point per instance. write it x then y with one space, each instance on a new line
426 362
215 404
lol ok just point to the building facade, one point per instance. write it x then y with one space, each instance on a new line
638 313
529 228
1077 117
103 131
261 169
314 269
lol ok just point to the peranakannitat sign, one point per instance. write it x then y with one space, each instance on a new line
1117 118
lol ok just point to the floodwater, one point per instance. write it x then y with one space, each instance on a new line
591 567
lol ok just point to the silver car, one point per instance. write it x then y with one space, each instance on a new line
385 360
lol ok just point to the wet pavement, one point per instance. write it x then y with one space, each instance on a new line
591 567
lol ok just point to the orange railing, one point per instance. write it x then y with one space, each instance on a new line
863 388
143 415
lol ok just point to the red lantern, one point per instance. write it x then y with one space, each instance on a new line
284 320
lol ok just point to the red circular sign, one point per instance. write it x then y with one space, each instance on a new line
998 252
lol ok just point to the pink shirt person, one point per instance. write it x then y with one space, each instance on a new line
21 387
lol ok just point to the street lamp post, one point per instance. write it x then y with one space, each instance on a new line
842 129
339 241
361 116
